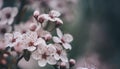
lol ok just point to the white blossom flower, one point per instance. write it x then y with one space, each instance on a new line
44 54
60 53
29 38
12 39
8 14
63 39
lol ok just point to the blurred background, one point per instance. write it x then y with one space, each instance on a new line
94 25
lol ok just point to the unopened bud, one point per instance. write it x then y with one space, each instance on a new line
72 62
41 19
58 22
47 37
36 14
33 27
63 65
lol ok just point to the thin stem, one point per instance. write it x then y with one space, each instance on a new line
19 59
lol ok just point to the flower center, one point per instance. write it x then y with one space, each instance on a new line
30 44
58 52
3 30
8 15
63 40
44 56
13 40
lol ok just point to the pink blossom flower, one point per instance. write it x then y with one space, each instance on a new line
29 38
60 53
63 39
8 14
12 39
44 54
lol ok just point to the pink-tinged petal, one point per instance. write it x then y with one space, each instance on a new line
59 33
31 48
67 38
56 40
42 62
63 56
67 46
15 11
51 49
40 41
58 21
36 55
8 37
17 34
51 60
56 56
10 21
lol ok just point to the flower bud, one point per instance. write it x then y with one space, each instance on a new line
58 22
42 18
72 62
33 27
63 65
36 14
47 37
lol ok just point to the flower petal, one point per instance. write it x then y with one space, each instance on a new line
40 41
31 48
59 33
67 38
42 62
56 39
36 55
63 56
51 60
67 46
56 56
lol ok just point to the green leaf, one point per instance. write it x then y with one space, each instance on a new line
26 55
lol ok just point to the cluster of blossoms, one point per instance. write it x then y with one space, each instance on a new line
37 41
66 7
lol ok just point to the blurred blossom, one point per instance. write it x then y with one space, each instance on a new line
88 62
4 29
66 7
2 44
23 27
8 14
